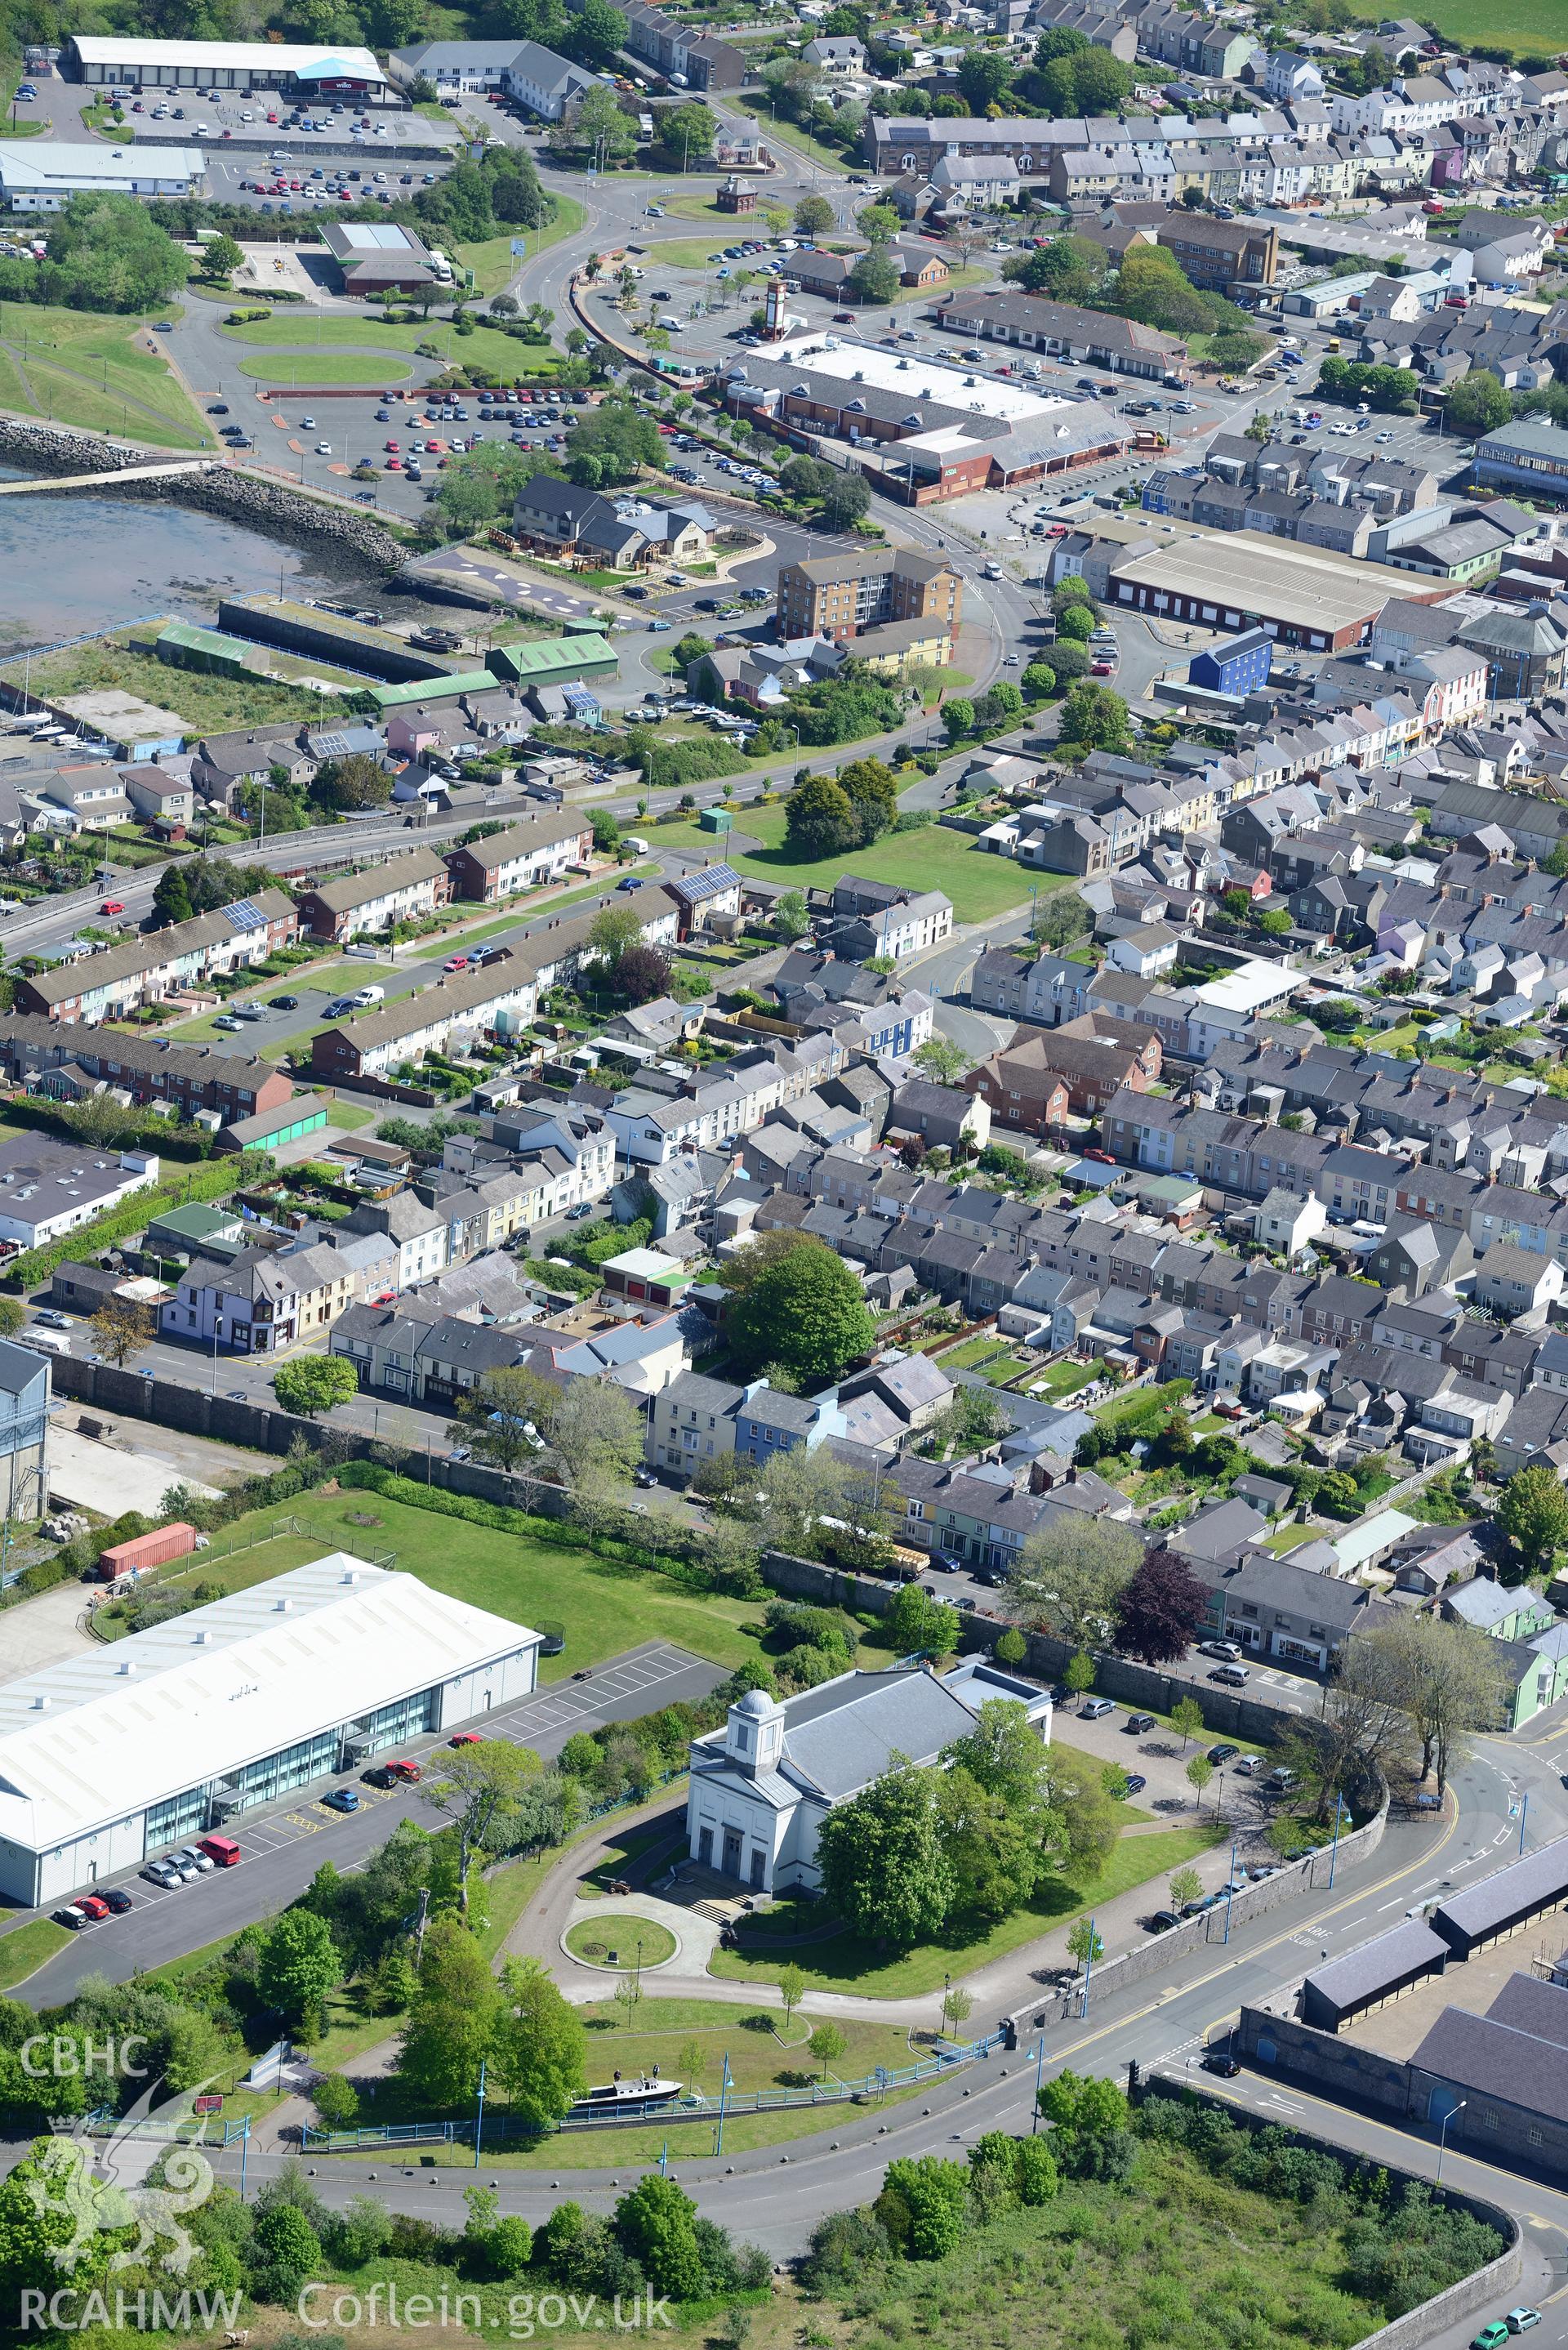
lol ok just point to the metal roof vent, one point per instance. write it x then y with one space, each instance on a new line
352 1575
204 1639
42 1704
283 1607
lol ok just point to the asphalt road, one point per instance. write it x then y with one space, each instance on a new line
776 2198
280 1853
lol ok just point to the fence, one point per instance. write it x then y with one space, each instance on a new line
179 2129
694 2108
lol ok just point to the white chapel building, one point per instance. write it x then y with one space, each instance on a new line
763 1785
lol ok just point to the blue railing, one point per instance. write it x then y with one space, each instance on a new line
698 2107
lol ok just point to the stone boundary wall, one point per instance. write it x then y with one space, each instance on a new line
222 489
1490 2286
1346 2069
1194 1936
1226 1712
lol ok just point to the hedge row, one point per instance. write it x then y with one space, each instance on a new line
210 1183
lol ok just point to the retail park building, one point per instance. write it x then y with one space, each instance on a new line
124 1750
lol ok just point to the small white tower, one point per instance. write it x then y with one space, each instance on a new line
755 1738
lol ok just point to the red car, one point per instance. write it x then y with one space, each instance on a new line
455 963
1100 669
395 465
464 1737
392 445
111 906
93 1906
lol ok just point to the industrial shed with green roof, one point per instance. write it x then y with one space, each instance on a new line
553 660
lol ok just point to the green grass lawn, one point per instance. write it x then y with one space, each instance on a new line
311 366
24 1951
492 262
1065 1380
844 1962
764 2052
1529 27
207 704
1287 1538
486 347
605 1606
980 887
633 1940
82 368
349 1117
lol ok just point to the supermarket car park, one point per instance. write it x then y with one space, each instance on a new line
277 1857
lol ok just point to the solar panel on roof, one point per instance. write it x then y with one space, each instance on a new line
245 916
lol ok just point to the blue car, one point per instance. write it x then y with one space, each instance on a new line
341 1799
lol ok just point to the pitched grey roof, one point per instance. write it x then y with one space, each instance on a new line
1373 1967
878 1716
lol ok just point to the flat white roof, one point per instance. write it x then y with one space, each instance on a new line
106 1734
949 381
42 162
1249 988
644 1265
1353 1550
271 58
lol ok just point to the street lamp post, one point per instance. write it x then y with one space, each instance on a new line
1443 2137
1334 1848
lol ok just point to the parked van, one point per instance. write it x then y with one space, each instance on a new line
364 997
1279 1782
45 1342
221 1850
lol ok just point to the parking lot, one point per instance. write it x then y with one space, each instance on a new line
216 119
277 1844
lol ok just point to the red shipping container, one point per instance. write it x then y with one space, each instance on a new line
147 1550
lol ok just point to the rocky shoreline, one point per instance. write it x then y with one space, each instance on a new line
269 506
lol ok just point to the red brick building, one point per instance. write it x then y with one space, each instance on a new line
1041 1075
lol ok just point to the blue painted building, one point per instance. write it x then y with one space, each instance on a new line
1235 667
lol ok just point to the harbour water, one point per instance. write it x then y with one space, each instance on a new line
71 565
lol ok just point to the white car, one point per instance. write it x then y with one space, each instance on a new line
307 424
191 1856
323 448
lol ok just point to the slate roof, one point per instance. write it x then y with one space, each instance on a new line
1361 1975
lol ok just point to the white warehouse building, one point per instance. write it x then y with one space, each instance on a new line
42 175
763 1785
123 1751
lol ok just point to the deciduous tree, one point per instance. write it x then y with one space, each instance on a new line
883 1870
121 1329
1160 1609
1069 1579
315 1383
1533 1511
540 2044
476 1787
502 1418
452 2019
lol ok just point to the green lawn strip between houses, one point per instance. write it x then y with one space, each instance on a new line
980 887
845 1964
